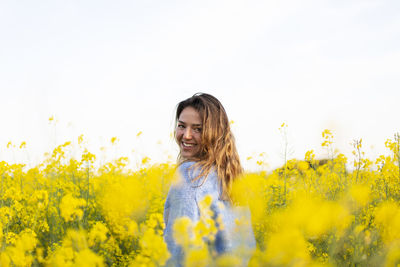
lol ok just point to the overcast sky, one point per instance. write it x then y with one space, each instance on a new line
115 68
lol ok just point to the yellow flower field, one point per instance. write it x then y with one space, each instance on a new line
72 212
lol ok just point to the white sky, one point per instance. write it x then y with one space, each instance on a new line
114 68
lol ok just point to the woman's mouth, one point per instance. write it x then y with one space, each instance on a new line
188 145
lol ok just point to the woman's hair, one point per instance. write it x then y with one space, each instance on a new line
218 147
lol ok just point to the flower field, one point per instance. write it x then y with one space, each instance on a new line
73 212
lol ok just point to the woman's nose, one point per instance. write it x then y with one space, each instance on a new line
187 134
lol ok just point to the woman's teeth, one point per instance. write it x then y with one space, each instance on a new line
187 145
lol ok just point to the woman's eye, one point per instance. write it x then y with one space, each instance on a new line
181 126
198 130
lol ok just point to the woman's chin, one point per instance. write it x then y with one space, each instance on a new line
188 156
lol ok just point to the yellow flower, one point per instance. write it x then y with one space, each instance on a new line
88 157
145 160
80 139
71 207
361 194
114 140
197 257
228 260
20 252
287 247
387 216
97 234
87 258
4 259
250 190
326 133
22 145
183 231
154 248
303 166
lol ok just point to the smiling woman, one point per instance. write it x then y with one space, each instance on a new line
208 165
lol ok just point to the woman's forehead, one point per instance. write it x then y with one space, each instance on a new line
190 115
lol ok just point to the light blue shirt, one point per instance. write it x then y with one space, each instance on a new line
183 199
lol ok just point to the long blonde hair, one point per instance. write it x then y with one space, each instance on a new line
218 147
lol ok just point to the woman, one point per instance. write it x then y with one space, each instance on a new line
208 163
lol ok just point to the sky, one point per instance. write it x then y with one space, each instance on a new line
116 68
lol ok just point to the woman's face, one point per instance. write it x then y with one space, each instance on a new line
188 133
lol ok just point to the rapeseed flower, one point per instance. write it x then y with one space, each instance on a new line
71 207
70 211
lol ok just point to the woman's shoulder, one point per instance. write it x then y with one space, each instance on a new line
186 168
192 170
185 165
